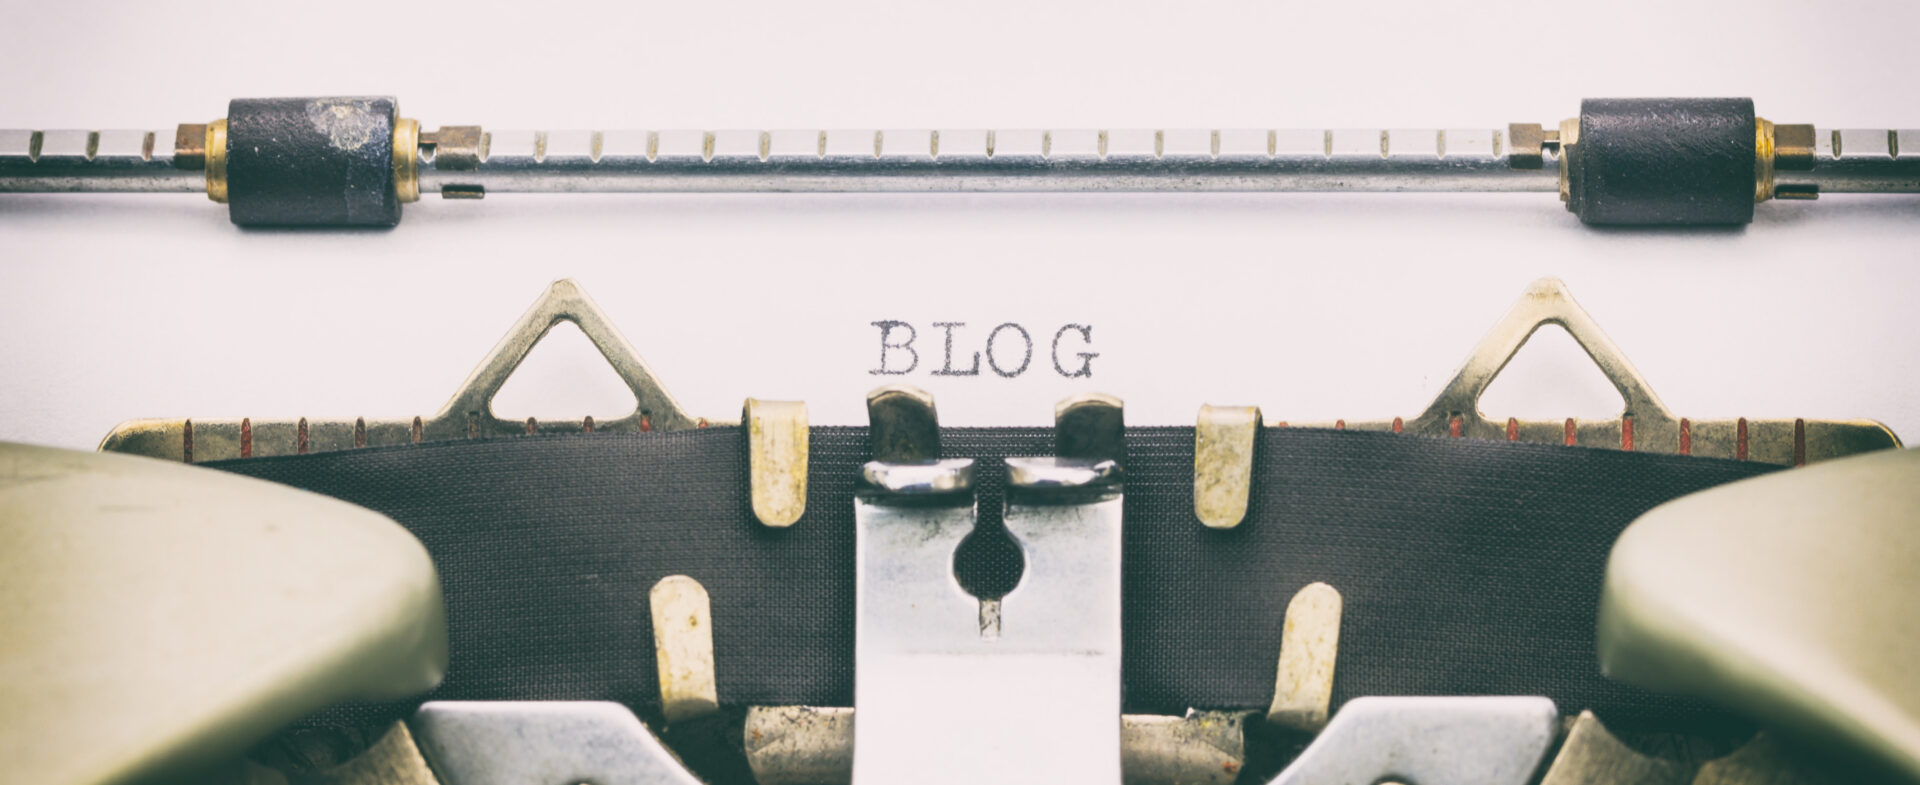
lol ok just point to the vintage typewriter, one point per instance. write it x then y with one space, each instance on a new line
1436 598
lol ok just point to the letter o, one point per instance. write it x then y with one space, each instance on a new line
1025 360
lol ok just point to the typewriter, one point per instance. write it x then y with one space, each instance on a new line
1428 599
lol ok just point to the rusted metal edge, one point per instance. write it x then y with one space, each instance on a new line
1645 425
467 415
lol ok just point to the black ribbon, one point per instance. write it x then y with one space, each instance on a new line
1467 567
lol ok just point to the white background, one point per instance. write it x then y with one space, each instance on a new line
1312 306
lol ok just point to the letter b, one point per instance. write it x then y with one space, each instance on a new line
886 331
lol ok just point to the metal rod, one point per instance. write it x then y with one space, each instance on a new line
1455 160
109 161
978 160
1860 160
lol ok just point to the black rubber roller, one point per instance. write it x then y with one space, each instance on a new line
1654 161
311 162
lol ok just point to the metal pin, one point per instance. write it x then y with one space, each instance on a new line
776 460
1090 426
1592 756
1309 644
683 648
903 425
1202 747
800 745
1223 447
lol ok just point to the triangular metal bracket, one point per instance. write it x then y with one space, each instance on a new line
1646 425
468 415
655 408
1456 411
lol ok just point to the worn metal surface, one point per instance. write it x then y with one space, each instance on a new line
1592 756
1790 598
903 424
800 745
1201 747
811 745
933 662
929 479
1645 425
1428 741
160 618
1090 426
1309 647
469 414
1223 447
683 648
776 460
543 742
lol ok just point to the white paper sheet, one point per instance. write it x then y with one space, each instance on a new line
1311 306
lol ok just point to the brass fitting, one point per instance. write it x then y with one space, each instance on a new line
1793 147
1527 144
406 160
190 146
1780 148
1762 159
217 160
1569 136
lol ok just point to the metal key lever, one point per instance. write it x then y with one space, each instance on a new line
952 688
514 743
1429 741
916 627
355 161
